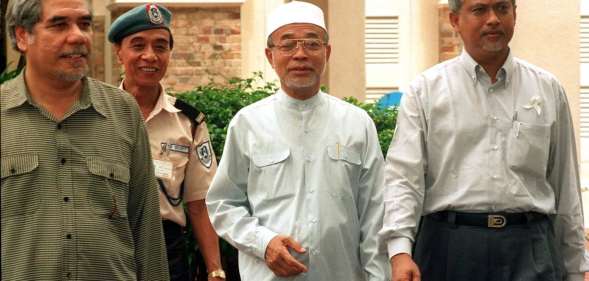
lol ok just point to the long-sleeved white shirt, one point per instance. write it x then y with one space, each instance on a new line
310 169
465 144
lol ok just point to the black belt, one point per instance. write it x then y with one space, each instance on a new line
490 220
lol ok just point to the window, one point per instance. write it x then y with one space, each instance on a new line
381 55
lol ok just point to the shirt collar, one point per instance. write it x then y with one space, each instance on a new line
297 104
16 93
164 102
20 95
474 69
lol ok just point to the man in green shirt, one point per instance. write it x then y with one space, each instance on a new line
79 197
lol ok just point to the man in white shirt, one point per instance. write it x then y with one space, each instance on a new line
481 180
299 187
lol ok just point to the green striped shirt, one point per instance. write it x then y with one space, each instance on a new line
79 197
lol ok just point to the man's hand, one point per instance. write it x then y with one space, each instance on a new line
404 268
278 258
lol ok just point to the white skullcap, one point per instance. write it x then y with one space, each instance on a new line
294 12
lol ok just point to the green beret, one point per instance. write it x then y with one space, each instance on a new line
143 17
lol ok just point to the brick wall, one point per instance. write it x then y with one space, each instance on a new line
450 42
97 60
207 47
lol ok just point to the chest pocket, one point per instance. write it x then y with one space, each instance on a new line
20 185
109 187
343 153
528 148
269 176
345 171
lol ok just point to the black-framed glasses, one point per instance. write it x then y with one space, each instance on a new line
290 46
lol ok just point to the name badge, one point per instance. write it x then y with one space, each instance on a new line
163 169
175 148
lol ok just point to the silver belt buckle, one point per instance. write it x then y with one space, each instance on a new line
496 221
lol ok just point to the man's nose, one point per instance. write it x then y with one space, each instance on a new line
76 35
300 51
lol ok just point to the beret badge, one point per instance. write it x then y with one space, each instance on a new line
155 16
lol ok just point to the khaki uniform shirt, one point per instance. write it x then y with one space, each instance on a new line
79 197
180 154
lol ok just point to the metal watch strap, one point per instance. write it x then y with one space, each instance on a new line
217 273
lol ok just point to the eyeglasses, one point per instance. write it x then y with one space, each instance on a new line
290 46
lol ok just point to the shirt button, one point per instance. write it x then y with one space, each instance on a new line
63 161
495 177
111 175
311 191
491 90
59 126
12 170
495 147
68 275
66 199
68 236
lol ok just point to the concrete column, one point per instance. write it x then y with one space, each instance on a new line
419 37
253 30
346 70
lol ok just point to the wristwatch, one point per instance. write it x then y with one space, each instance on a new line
217 273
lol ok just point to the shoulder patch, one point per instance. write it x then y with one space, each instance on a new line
204 153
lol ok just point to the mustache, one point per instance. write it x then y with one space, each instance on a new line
300 66
78 50
487 32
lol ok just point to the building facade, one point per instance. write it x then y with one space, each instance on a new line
379 46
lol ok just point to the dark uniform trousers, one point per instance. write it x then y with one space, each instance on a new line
453 246
176 250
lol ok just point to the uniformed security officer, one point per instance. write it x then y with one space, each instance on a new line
183 158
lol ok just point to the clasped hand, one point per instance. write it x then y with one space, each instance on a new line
279 259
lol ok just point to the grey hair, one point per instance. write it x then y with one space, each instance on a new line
455 5
25 13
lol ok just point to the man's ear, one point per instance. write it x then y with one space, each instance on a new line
269 56
23 38
118 52
454 20
327 52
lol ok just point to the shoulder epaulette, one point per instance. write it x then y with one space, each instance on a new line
192 113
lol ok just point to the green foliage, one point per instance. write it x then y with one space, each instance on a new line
7 75
385 120
221 103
